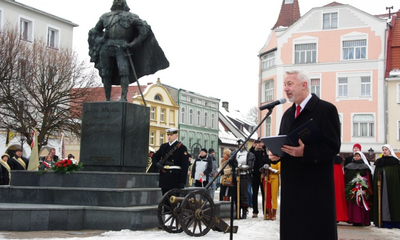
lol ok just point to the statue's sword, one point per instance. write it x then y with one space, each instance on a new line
128 54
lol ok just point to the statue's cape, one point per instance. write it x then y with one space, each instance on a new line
147 59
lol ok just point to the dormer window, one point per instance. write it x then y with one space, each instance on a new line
158 97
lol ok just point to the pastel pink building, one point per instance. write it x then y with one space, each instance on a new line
343 49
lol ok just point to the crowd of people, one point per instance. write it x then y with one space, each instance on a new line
19 162
370 192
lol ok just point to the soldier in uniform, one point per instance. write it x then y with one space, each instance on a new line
173 169
125 36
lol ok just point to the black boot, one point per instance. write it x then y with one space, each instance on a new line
244 213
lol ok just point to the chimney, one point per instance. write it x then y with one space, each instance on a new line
226 106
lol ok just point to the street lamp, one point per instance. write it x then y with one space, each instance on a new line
371 154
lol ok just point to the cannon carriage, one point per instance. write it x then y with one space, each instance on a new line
194 213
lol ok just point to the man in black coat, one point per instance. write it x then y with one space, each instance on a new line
173 171
307 193
18 162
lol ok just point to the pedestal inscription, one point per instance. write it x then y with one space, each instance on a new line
115 136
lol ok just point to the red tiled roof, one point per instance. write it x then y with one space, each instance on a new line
289 14
332 4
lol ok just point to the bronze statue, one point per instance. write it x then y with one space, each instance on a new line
126 50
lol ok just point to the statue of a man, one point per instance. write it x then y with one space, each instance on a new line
118 36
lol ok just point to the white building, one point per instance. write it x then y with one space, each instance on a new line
34 24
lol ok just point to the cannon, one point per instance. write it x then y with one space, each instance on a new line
193 213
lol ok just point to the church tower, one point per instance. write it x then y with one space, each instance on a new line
290 13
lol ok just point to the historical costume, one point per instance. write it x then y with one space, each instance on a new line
358 176
245 161
387 168
18 162
272 190
340 197
5 170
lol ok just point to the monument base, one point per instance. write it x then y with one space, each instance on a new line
115 136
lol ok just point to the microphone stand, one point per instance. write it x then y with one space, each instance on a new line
233 163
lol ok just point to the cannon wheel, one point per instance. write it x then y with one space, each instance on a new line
197 213
168 212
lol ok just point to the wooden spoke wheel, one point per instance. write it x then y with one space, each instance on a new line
168 212
197 213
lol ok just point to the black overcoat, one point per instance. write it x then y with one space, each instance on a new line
307 185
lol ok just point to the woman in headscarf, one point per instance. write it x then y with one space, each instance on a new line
387 168
358 177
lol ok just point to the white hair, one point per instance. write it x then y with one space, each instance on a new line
302 76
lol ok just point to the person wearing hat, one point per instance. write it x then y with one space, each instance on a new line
172 162
5 170
202 167
18 162
349 159
245 161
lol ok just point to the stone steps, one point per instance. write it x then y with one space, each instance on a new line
83 201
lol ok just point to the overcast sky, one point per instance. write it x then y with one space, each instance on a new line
212 45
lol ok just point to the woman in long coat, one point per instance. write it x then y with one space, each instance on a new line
358 176
388 169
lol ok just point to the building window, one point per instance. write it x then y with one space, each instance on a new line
305 53
191 116
355 49
330 20
205 119
162 115
267 61
365 86
342 87
53 38
26 29
212 121
183 115
363 125
398 93
316 87
288 1
23 68
268 126
198 118
171 117
269 91
152 113
161 138
158 97
152 138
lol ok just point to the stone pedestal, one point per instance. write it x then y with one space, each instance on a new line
115 137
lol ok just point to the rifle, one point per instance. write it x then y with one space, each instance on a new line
160 164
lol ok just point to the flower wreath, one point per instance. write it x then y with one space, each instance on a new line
357 191
65 166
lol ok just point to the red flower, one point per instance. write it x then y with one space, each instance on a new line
64 165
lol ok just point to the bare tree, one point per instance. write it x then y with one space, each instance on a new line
252 115
37 87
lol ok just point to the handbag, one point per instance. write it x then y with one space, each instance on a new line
227 181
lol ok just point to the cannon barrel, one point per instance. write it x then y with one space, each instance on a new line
175 199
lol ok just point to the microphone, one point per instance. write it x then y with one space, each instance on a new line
271 105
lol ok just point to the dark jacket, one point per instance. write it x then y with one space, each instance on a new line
261 158
172 178
15 165
307 193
